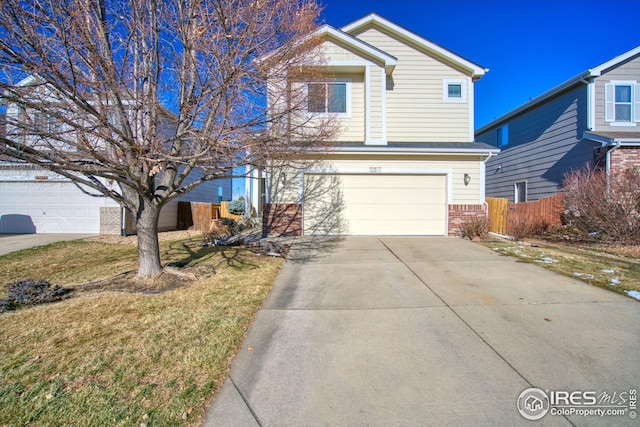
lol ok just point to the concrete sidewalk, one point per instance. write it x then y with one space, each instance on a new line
424 331
16 242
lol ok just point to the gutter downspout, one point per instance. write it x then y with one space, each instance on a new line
589 84
616 145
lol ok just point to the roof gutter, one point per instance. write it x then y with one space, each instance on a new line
403 150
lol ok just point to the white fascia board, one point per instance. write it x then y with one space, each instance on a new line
597 71
598 138
352 42
385 150
476 69
605 141
389 61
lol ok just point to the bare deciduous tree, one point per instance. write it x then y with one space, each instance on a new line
143 93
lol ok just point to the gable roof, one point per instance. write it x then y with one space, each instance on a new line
356 44
412 38
581 78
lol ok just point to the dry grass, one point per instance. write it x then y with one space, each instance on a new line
590 263
122 358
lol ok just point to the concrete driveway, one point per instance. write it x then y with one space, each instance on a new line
16 242
425 331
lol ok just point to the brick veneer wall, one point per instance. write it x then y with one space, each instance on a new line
459 214
282 219
625 158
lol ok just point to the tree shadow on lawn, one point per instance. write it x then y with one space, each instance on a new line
198 253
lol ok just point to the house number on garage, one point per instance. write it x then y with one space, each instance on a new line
375 169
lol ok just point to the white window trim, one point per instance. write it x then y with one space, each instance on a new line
515 191
347 114
610 103
445 90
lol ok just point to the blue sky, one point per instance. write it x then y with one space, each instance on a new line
528 46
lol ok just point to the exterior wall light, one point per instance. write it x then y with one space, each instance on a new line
467 179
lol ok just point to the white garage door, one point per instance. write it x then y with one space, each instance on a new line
52 207
375 204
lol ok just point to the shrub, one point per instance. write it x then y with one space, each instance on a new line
475 228
606 206
236 207
31 292
525 229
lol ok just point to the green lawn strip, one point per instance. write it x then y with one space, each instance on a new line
125 358
591 265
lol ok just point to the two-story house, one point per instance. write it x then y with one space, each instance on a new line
593 118
36 200
404 162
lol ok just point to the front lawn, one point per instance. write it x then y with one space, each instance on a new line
609 267
113 356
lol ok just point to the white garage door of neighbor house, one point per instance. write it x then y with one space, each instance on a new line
53 207
375 204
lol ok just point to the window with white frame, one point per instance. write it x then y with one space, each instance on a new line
520 192
502 136
454 90
622 103
330 97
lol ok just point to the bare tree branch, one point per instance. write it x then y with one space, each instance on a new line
143 93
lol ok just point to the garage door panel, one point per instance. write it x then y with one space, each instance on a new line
393 196
408 214
380 205
53 207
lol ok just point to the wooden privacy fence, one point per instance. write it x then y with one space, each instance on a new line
498 209
505 216
200 215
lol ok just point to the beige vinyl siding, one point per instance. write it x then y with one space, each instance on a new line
375 103
352 128
416 111
334 52
283 185
628 71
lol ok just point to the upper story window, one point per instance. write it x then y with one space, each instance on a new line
502 136
331 97
622 103
454 90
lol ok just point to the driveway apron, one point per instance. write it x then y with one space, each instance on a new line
423 331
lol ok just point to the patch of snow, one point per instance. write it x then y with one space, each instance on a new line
584 275
614 281
547 260
607 270
634 294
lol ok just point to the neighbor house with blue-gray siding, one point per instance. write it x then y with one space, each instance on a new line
592 119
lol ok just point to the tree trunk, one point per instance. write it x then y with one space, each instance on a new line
149 264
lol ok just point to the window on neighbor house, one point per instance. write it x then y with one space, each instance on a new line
622 103
454 91
502 136
520 189
328 97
